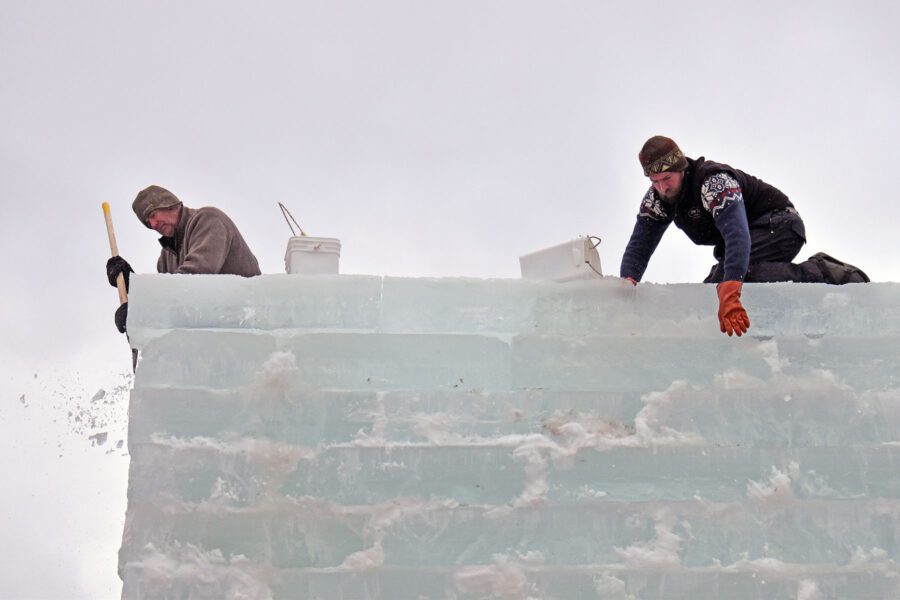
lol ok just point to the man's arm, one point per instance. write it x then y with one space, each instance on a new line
210 241
644 239
652 221
722 197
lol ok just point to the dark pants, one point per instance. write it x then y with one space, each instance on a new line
775 239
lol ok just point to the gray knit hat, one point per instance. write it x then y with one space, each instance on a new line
660 154
150 199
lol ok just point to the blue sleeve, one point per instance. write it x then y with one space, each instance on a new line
644 240
722 197
732 224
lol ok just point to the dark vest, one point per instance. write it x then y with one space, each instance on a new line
697 222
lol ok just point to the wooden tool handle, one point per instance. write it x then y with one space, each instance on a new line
114 249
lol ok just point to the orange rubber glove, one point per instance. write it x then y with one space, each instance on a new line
732 316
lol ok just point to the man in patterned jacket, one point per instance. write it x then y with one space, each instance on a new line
754 229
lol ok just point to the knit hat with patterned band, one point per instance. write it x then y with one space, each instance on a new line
661 154
150 199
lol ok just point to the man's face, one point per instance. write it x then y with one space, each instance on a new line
164 220
668 184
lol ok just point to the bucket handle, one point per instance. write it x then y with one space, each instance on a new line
286 213
594 245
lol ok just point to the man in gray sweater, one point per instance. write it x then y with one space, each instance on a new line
194 241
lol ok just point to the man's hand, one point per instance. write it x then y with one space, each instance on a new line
116 265
732 316
121 317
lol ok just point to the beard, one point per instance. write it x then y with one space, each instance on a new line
672 193
166 230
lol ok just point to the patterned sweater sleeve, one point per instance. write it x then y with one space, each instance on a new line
652 222
722 197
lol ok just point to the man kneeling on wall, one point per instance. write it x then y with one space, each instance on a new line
754 228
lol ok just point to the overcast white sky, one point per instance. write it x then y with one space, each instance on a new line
432 138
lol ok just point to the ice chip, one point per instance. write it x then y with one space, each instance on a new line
98 439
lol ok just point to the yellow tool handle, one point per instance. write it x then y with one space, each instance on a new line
114 249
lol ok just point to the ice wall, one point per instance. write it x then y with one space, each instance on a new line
344 437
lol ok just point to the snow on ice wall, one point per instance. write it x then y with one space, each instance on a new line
344 437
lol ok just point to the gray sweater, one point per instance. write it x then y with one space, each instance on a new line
206 241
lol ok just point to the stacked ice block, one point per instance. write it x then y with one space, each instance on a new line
343 437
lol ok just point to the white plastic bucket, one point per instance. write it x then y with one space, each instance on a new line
312 256
575 259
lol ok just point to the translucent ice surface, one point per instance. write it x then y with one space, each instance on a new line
355 437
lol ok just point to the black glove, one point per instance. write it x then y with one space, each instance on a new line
116 265
121 317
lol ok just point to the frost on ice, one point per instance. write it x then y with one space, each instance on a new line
369 437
